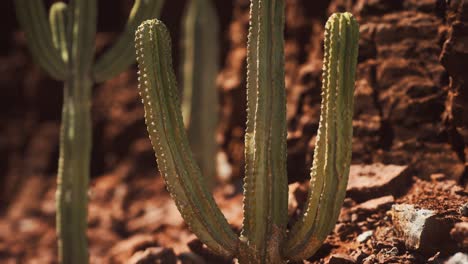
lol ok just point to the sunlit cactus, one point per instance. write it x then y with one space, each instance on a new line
199 67
64 48
264 238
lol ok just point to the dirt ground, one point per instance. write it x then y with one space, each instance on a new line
407 199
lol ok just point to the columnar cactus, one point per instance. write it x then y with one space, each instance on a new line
264 237
64 47
200 47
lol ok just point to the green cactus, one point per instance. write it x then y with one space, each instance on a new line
264 237
200 47
64 47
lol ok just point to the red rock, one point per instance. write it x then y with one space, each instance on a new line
375 204
124 249
153 217
375 180
341 259
153 255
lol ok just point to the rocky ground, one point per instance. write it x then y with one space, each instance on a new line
407 199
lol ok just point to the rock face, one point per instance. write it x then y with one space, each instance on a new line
454 58
405 101
401 88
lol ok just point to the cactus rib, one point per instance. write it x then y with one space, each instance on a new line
332 157
165 127
121 54
265 188
33 19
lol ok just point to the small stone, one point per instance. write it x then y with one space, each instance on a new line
364 236
464 209
393 251
460 234
434 259
437 177
341 259
370 259
154 255
354 217
359 255
458 258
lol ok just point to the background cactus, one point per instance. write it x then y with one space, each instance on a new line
264 237
200 46
64 47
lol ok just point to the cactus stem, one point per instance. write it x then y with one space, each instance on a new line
167 133
329 173
265 183
199 70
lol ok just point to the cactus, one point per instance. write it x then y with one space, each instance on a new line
200 47
264 238
64 48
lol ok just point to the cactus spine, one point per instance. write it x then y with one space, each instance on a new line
200 47
264 237
64 47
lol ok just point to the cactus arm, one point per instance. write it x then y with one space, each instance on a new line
57 20
200 47
82 31
166 130
265 187
33 19
122 54
329 174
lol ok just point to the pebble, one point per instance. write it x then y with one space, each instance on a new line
341 259
364 236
